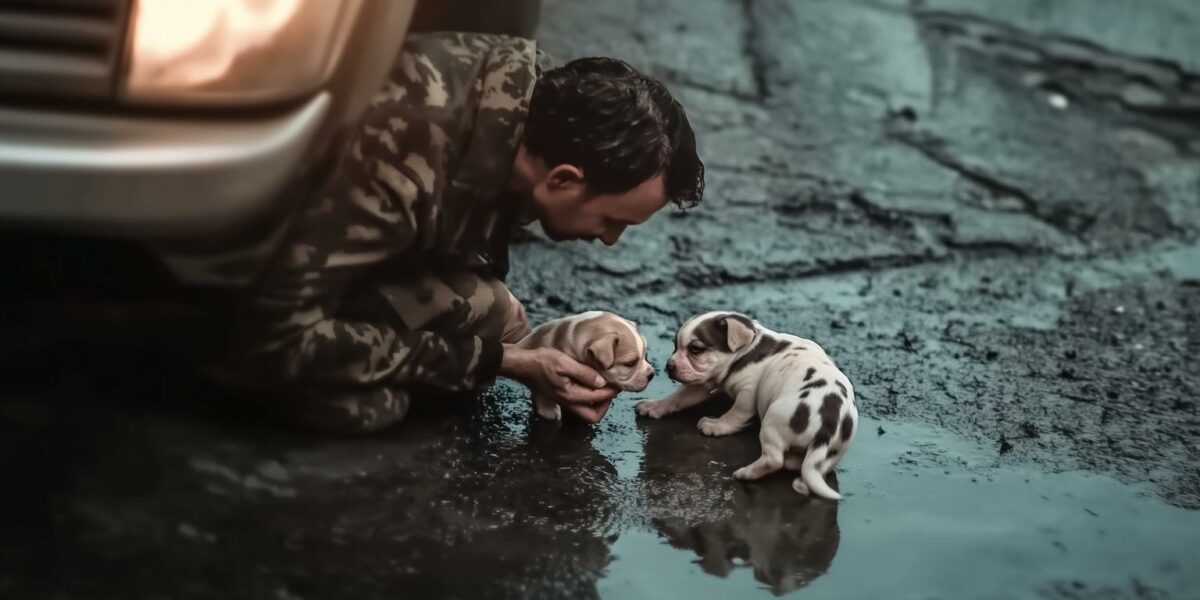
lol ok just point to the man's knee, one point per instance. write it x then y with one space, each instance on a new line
352 412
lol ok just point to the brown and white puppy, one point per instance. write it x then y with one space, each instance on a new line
805 403
602 340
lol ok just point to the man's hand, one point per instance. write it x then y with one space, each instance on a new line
576 387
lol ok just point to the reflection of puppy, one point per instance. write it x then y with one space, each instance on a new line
787 543
787 546
805 403
602 340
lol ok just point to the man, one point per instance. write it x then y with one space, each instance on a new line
390 282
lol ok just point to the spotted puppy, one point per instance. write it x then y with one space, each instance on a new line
805 403
602 340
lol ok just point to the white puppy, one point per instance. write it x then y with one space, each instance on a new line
602 340
805 403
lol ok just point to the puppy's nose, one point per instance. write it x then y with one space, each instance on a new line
670 368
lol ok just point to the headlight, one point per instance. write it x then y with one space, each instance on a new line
233 51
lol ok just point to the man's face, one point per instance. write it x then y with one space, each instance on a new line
568 211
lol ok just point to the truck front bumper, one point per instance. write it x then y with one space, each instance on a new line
147 178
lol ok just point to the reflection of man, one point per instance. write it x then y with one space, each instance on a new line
391 277
787 539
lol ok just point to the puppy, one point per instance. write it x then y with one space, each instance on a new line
805 403
602 340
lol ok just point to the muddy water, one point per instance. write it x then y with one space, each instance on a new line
487 502
927 514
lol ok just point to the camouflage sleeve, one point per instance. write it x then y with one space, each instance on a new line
289 332
291 329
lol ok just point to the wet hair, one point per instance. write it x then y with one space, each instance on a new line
617 125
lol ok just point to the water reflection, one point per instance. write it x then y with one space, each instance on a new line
459 502
511 506
695 504
786 546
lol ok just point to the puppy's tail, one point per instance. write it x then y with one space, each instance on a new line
811 476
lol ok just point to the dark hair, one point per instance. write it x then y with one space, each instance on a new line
618 126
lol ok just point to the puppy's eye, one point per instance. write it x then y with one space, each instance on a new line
696 349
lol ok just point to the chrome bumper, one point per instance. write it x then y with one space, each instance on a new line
143 178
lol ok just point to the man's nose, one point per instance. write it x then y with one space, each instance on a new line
611 236
651 376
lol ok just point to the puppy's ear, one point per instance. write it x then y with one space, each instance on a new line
604 351
737 333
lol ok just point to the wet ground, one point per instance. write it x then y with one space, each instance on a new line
985 211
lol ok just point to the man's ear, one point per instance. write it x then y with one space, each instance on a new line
565 178
604 351
737 333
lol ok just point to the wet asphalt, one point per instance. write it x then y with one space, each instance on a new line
985 211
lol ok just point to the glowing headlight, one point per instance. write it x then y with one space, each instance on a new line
233 50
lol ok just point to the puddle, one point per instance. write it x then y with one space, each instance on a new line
490 503
927 514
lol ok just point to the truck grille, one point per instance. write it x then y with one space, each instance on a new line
61 47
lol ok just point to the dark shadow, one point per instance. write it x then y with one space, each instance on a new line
509 17
787 540
127 477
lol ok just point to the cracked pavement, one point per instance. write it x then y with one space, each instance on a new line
986 211
942 186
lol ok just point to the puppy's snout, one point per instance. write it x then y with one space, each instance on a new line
671 368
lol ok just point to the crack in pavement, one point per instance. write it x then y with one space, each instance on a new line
682 79
1066 49
1161 93
752 52
758 170
932 148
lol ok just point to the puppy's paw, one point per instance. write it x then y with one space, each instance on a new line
800 487
548 410
742 474
651 408
714 427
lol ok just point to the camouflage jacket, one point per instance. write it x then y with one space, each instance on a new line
420 188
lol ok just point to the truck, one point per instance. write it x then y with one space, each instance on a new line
152 151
